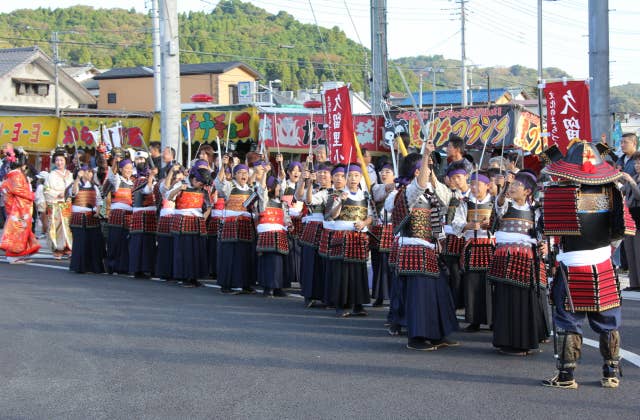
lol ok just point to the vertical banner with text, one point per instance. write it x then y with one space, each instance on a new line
340 132
568 115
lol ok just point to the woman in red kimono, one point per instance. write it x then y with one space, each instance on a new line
18 241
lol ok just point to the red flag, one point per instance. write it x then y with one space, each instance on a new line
568 115
340 132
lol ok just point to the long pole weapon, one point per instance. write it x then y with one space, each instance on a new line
275 127
423 128
226 146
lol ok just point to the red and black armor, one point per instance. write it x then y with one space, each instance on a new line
122 194
413 259
514 263
86 197
274 240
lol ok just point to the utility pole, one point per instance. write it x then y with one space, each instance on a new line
599 69
170 128
56 63
540 80
464 55
157 56
380 79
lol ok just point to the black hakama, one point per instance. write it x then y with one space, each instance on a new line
311 273
88 250
397 301
519 323
350 283
212 255
381 289
237 265
142 252
117 260
189 257
477 298
292 269
455 280
271 270
164 249
429 307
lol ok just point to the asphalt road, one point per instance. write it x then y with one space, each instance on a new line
95 346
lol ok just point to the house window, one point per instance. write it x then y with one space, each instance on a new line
29 87
111 98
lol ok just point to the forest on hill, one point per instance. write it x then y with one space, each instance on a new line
277 46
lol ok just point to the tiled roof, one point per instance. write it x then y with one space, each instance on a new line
185 69
10 58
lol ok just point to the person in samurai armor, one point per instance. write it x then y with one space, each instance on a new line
144 220
517 271
311 264
188 227
236 268
586 210
472 220
430 313
350 211
88 253
121 180
164 239
272 245
296 212
382 237
339 181
454 244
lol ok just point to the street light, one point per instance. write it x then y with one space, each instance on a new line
271 82
56 63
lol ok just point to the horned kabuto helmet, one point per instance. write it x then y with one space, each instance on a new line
583 164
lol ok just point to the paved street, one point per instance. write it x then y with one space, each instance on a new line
96 346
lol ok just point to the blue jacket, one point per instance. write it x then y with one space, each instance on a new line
628 167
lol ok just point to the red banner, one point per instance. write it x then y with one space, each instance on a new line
340 132
568 115
292 133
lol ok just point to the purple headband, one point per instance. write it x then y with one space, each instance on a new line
85 167
482 178
387 166
459 171
227 170
200 163
529 175
294 165
194 172
338 170
272 182
259 163
355 168
124 162
323 167
240 167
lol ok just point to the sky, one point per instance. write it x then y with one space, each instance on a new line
498 32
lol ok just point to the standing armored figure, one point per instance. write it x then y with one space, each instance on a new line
587 212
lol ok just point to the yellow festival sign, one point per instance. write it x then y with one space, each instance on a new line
206 125
35 134
90 130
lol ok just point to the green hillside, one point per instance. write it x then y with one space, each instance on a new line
278 46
